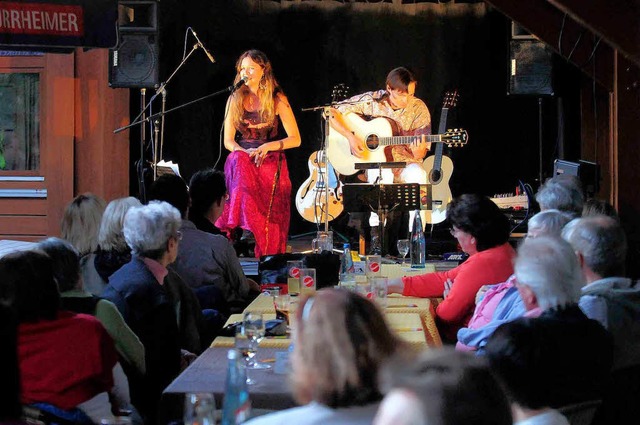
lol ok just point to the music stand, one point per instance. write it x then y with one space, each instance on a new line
381 199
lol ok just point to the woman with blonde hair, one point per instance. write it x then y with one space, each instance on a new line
256 169
341 343
81 222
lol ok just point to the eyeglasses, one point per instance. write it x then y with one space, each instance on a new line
178 235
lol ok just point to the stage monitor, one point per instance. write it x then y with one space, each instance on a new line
588 173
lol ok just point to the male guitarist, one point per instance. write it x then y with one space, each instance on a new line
411 117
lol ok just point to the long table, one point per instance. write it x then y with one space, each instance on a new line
412 318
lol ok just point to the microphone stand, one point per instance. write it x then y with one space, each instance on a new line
229 89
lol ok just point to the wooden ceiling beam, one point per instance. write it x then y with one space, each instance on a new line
617 21
566 36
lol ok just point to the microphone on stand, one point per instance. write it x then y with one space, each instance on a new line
239 84
209 55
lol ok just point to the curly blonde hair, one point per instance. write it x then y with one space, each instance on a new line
267 92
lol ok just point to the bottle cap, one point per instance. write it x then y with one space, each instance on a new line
346 245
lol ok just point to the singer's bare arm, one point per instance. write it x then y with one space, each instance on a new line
230 131
339 124
283 109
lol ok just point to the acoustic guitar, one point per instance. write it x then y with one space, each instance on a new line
319 195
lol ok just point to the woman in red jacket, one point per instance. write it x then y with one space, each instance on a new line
482 231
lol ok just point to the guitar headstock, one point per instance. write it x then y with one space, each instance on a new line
450 99
339 92
455 138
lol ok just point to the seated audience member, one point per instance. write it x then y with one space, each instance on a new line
80 226
614 301
599 207
10 407
138 290
482 231
66 360
442 387
502 303
562 193
341 342
66 269
208 192
206 262
113 251
561 357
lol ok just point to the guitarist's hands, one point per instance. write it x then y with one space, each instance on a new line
419 147
357 146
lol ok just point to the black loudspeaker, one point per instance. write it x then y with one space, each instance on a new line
134 63
531 67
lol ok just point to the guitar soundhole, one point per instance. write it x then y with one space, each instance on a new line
435 176
373 141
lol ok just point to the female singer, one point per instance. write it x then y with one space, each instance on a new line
256 170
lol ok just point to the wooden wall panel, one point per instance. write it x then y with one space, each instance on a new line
25 206
23 225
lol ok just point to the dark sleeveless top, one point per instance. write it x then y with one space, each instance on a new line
83 305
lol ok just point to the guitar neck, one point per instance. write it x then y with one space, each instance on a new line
405 140
437 162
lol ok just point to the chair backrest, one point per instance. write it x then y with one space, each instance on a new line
581 413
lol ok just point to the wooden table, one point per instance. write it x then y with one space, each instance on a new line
208 374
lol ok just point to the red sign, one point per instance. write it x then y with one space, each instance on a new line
41 19
374 267
294 272
308 281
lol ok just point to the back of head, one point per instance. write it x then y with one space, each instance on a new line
172 189
452 388
342 341
147 228
111 236
206 187
562 193
549 267
598 207
548 222
66 262
601 241
400 78
481 218
28 284
81 222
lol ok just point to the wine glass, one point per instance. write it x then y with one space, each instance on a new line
403 247
254 330
247 349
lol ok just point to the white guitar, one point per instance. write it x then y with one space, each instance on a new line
439 169
377 134
312 196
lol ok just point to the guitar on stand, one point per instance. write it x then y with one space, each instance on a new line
439 169
320 195
319 198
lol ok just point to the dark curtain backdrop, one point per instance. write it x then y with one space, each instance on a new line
463 46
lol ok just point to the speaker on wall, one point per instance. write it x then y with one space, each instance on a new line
531 66
134 62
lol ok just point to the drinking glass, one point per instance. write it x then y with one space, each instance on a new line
403 247
254 330
281 303
293 276
247 348
373 265
307 281
199 409
380 289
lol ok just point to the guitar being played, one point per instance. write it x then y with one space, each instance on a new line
410 115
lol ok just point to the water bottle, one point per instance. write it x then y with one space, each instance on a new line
418 244
237 406
346 263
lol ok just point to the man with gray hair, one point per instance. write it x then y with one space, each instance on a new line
613 300
568 355
562 193
137 289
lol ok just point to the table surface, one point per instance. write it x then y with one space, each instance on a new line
208 374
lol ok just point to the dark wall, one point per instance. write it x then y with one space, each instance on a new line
314 48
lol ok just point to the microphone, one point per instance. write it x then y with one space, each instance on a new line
209 55
239 84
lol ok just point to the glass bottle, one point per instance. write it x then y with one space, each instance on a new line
237 405
418 244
